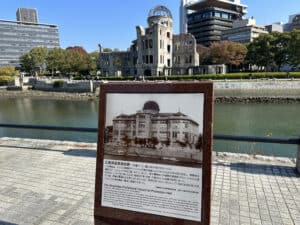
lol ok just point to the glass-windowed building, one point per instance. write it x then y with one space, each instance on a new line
19 37
207 19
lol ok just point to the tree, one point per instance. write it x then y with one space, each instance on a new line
279 47
77 60
7 73
204 55
260 51
56 60
78 49
27 63
294 48
39 55
35 58
226 52
94 61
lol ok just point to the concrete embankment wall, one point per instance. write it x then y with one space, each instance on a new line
258 88
66 85
271 88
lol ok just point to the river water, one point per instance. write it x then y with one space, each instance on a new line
275 120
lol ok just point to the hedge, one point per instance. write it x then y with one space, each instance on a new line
229 76
58 84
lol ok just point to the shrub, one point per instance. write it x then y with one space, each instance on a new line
58 84
8 71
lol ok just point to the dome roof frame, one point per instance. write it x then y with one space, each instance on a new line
160 11
151 105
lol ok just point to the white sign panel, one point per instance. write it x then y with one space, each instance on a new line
164 190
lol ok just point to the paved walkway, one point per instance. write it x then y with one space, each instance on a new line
47 182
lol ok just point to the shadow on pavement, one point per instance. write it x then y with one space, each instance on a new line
271 170
70 152
32 148
6 223
81 153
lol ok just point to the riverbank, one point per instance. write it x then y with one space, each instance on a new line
47 95
92 97
233 91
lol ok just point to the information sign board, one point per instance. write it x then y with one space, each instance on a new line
154 153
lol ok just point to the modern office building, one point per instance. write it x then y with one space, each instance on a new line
243 31
19 37
149 123
274 27
294 23
207 19
156 51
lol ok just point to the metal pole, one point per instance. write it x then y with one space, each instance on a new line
298 159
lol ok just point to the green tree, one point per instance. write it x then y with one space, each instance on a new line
260 52
39 55
7 73
56 60
294 49
35 58
279 47
94 61
27 63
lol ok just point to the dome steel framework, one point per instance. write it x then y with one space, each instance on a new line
151 105
160 10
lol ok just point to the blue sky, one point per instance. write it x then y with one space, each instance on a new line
112 23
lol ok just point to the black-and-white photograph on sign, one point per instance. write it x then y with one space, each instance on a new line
162 126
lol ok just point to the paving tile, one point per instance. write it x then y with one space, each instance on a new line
49 187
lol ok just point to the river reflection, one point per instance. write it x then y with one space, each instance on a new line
276 120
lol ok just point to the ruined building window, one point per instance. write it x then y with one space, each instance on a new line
169 62
186 59
169 48
190 61
168 34
161 44
151 59
146 44
147 59
150 43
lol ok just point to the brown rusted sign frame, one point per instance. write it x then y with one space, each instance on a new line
115 216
